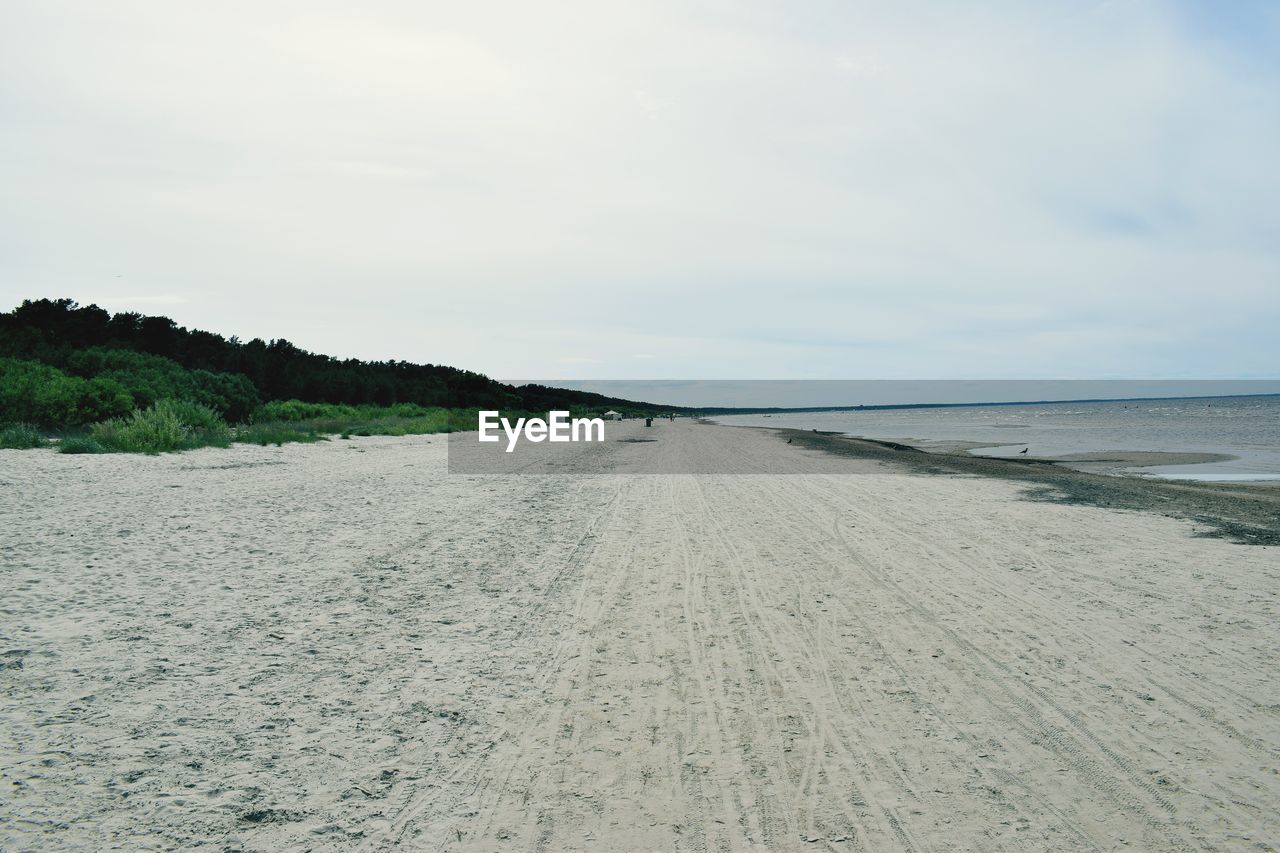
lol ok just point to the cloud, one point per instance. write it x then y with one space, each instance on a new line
755 189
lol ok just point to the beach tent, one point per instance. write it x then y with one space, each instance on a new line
611 415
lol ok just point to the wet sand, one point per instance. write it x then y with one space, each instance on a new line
343 646
1097 462
1248 513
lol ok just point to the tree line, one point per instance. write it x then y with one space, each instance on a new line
64 364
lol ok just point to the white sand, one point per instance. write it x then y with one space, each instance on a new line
343 646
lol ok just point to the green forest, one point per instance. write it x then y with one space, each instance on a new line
92 381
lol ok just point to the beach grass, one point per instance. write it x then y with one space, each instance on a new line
163 427
79 444
171 425
292 420
20 437
276 433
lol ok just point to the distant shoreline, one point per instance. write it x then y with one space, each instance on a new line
875 407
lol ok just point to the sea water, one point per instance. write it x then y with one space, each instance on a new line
1247 428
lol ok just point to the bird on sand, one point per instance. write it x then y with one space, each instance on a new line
1024 450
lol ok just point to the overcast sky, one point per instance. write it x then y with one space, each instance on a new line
695 189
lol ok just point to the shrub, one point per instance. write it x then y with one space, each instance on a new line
103 398
148 378
296 410
44 395
20 437
166 426
80 444
195 415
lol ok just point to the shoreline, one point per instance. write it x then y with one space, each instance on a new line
1197 439
1247 513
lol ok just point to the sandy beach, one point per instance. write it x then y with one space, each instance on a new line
343 646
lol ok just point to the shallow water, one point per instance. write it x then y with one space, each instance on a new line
1247 428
